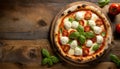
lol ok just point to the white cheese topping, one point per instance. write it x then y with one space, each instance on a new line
73 44
71 51
75 24
79 15
78 51
94 17
97 29
64 40
92 23
89 43
66 19
67 25
99 39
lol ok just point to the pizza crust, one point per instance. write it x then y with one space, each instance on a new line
101 15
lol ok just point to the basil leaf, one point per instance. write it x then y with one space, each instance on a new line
102 3
82 39
54 59
115 59
45 61
70 41
80 29
74 35
45 53
103 34
95 47
60 30
50 62
89 34
71 20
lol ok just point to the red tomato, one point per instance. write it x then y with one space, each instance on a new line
88 15
81 22
99 22
118 28
66 48
85 51
94 39
87 28
65 33
114 9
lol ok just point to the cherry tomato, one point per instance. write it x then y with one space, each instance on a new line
114 9
65 33
87 28
88 15
81 22
99 22
118 28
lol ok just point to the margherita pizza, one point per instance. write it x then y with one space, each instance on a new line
82 32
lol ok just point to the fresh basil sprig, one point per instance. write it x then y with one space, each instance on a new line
48 59
80 29
82 39
74 35
102 3
95 47
89 34
115 59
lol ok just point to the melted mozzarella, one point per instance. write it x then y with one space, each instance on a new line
67 25
99 39
94 17
97 29
66 19
92 23
78 51
71 51
75 24
64 40
89 43
79 15
73 44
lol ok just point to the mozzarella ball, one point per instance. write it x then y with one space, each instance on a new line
66 19
99 39
79 15
78 51
71 51
73 44
89 43
64 40
67 25
97 29
75 24
92 23
94 17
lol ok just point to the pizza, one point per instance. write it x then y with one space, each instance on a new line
82 33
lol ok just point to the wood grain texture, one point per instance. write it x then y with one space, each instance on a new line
24 31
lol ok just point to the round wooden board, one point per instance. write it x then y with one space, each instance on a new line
53 43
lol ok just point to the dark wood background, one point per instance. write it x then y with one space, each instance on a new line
24 31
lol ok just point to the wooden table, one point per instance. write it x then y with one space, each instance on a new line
25 28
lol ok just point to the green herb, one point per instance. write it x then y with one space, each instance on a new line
54 59
115 59
102 3
45 53
82 39
60 30
74 35
80 47
87 22
89 34
71 20
45 61
95 47
103 34
48 59
80 29
70 41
